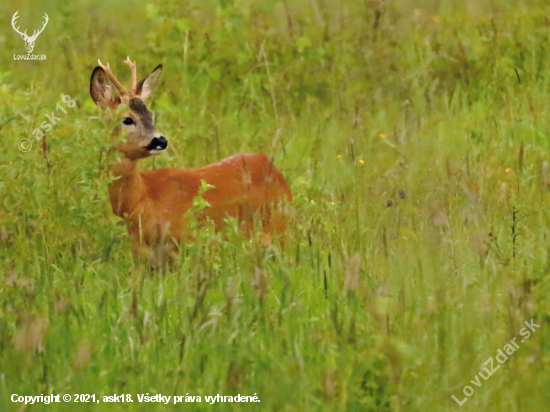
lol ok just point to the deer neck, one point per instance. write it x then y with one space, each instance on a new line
128 188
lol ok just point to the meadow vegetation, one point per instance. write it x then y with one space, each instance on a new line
416 140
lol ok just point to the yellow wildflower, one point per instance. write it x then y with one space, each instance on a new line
508 170
382 135
339 156
361 161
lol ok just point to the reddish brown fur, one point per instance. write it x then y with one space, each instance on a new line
245 186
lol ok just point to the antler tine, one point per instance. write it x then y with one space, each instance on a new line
133 67
14 18
112 77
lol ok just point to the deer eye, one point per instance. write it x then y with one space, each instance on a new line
128 121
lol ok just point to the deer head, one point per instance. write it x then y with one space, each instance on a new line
29 40
142 138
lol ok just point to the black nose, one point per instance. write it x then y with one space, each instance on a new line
163 143
158 143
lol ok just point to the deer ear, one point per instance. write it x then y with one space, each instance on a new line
102 91
146 86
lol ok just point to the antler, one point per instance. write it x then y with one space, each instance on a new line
14 18
112 77
35 33
133 67
125 95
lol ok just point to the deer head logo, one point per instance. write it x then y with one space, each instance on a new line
29 40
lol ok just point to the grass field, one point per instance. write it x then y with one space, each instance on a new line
416 140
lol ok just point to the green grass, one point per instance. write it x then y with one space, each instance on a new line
415 138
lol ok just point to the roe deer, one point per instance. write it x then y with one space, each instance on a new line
246 185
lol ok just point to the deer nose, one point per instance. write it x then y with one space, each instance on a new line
158 143
163 143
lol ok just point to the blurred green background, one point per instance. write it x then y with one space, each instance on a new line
415 137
